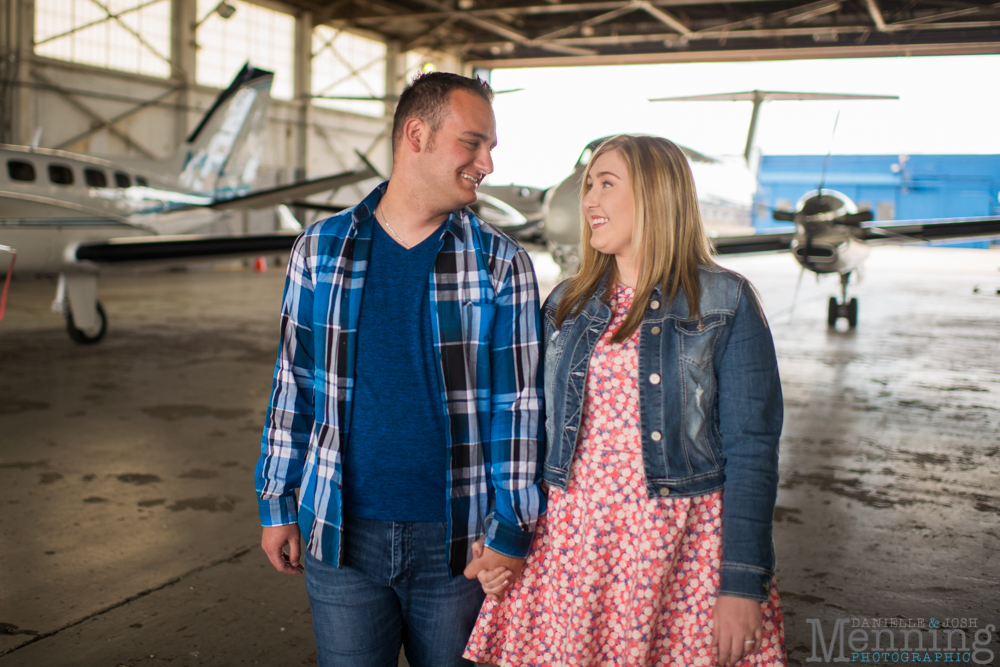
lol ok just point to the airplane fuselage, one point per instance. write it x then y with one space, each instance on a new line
52 201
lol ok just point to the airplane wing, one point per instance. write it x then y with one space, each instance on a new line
283 194
184 247
733 245
940 229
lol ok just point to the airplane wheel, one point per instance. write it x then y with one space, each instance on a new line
852 313
83 338
832 312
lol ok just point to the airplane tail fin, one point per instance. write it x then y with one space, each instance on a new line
221 156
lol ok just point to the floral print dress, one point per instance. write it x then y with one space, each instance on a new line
615 578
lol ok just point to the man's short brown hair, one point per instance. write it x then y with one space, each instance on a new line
426 98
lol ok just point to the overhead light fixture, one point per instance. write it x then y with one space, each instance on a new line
223 9
466 4
428 67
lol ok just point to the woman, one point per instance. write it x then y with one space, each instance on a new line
663 413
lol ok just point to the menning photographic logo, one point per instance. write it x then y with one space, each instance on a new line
896 640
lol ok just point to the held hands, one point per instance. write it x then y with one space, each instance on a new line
273 543
737 621
495 571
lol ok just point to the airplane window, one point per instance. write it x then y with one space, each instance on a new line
141 181
20 171
122 180
95 178
60 174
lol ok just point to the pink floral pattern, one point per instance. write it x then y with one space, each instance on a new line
615 578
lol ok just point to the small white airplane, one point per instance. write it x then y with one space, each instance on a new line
70 214
831 235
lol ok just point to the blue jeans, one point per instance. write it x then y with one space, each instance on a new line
392 589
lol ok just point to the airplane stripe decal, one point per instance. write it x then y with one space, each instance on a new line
139 250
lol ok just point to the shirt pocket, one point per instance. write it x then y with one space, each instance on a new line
477 321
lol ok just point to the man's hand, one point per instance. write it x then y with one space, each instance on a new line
273 543
737 621
494 571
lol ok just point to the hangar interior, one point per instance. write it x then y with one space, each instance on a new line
129 532
131 77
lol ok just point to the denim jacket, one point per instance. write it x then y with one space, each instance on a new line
710 410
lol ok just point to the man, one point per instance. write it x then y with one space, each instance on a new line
405 407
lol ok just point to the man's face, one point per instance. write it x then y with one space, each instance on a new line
457 157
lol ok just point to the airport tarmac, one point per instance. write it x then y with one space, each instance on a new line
129 531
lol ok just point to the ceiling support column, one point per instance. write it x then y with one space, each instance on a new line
183 61
303 91
17 33
395 81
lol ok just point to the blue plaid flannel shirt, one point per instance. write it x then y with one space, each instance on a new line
485 323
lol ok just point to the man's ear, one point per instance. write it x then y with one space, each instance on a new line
415 134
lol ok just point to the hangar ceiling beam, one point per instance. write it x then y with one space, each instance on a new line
714 33
876 15
534 10
664 17
508 33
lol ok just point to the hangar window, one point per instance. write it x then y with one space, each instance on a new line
20 171
122 180
141 181
60 174
95 178
126 35
347 65
252 33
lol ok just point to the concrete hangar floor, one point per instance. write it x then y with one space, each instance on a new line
129 529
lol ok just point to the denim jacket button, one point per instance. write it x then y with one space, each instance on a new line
654 305
664 492
654 379
655 331
656 436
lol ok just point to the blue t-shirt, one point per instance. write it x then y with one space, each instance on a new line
396 458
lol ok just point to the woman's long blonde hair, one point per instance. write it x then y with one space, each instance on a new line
668 237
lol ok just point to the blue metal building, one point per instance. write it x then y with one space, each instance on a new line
894 187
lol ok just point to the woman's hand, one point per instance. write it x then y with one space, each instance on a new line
737 621
495 582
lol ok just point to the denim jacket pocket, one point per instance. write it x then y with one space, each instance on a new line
696 342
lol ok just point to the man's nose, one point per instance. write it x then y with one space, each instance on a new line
484 161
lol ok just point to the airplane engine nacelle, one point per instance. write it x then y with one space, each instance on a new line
841 255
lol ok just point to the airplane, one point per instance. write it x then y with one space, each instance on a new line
831 235
74 215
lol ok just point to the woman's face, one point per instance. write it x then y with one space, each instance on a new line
607 206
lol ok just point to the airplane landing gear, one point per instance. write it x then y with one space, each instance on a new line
89 337
846 309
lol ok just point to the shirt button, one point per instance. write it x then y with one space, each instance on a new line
653 305
664 492
655 331
656 436
654 379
